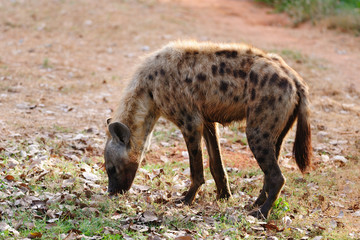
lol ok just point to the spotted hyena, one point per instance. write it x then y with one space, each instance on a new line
197 85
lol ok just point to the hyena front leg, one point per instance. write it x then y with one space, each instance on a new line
263 148
262 197
193 143
216 165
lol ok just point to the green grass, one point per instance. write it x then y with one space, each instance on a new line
343 14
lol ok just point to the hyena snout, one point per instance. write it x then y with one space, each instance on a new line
120 169
120 181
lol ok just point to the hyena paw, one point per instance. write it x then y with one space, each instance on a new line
183 200
257 214
224 195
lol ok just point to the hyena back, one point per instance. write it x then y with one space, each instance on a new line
197 85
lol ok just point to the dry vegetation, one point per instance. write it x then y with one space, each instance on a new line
62 67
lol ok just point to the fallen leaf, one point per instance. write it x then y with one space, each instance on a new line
35 235
68 182
90 176
139 228
148 216
187 237
10 178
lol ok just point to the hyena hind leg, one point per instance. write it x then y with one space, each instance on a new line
216 166
264 151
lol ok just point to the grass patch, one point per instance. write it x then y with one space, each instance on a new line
50 195
343 14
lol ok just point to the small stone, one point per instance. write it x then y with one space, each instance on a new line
145 48
325 158
356 214
88 22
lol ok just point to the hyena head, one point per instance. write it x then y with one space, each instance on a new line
120 168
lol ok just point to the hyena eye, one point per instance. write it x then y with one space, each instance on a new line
111 170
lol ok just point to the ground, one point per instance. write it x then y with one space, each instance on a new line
63 65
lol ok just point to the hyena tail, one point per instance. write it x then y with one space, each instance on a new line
302 147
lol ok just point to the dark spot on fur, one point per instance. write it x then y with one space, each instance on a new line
219 53
235 73
245 88
188 80
191 139
274 78
201 77
264 80
234 54
247 112
157 56
253 78
271 101
162 72
228 70
214 69
222 65
156 73
188 118
194 152
253 94
273 126
276 119
249 51
180 122
259 148
224 86
189 127
243 62
259 109
236 98
266 135
151 77
280 98
221 71
196 52
150 94
242 73
283 83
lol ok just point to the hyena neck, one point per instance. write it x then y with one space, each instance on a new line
139 114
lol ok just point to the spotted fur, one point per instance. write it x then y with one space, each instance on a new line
196 85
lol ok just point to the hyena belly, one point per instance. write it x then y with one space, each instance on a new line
198 85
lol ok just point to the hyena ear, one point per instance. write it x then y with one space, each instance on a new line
108 121
119 132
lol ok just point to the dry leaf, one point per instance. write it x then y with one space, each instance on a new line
90 176
10 178
35 235
187 237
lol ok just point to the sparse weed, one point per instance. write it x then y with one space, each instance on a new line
343 14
